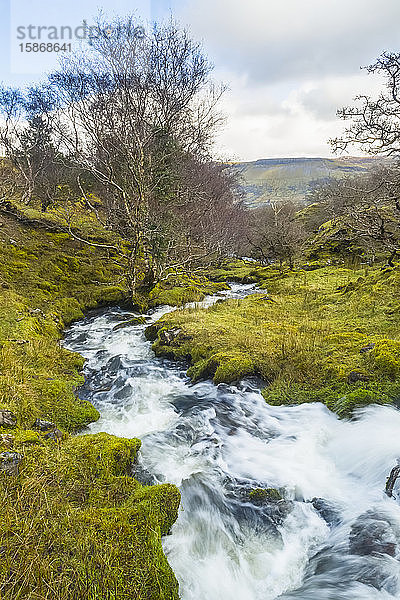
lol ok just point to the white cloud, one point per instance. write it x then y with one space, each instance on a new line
290 64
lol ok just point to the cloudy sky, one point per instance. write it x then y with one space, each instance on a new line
288 63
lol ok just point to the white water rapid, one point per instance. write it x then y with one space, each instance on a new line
336 536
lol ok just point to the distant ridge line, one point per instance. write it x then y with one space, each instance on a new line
267 179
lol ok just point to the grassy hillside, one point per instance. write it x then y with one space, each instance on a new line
292 178
74 524
328 335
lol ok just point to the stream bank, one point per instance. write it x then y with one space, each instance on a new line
330 534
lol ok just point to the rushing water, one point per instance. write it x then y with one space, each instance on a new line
218 442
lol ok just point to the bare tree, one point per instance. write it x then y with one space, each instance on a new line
365 209
275 233
132 119
26 136
375 123
125 112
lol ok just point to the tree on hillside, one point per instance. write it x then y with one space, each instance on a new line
369 205
136 114
26 136
274 233
365 210
128 112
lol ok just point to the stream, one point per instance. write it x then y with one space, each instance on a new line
335 536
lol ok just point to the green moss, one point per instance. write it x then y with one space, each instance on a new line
99 454
316 336
90 530
222 367
346 404
69 309
47 280
386 356
240 271
265 495
73 512
27 437
178 289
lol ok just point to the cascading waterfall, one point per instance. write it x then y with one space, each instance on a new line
335 536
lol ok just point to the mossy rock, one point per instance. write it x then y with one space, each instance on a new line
222 367
69 309
265 495
99 454
183 288
349 402
90 530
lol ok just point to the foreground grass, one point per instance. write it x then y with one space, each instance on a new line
330 335
74 524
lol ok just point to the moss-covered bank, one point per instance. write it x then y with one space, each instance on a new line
330 334
46 281
74 524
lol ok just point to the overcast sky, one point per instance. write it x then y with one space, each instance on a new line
288 63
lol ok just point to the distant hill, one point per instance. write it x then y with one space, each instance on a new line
293 178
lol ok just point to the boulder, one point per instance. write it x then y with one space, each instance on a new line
9 462
372 533
265 495
329 513
355 376
7 419
7 440
391 480
151 332
55 435
41 425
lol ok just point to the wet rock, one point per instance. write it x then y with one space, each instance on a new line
9 462
123 393
7 440
367 348
41 425
113 366
372 533
264 507
142 475
355 376
391 480
7 419
329 513
101 390
55 435
271 503
168 336
151 332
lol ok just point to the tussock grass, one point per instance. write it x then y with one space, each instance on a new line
304 337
